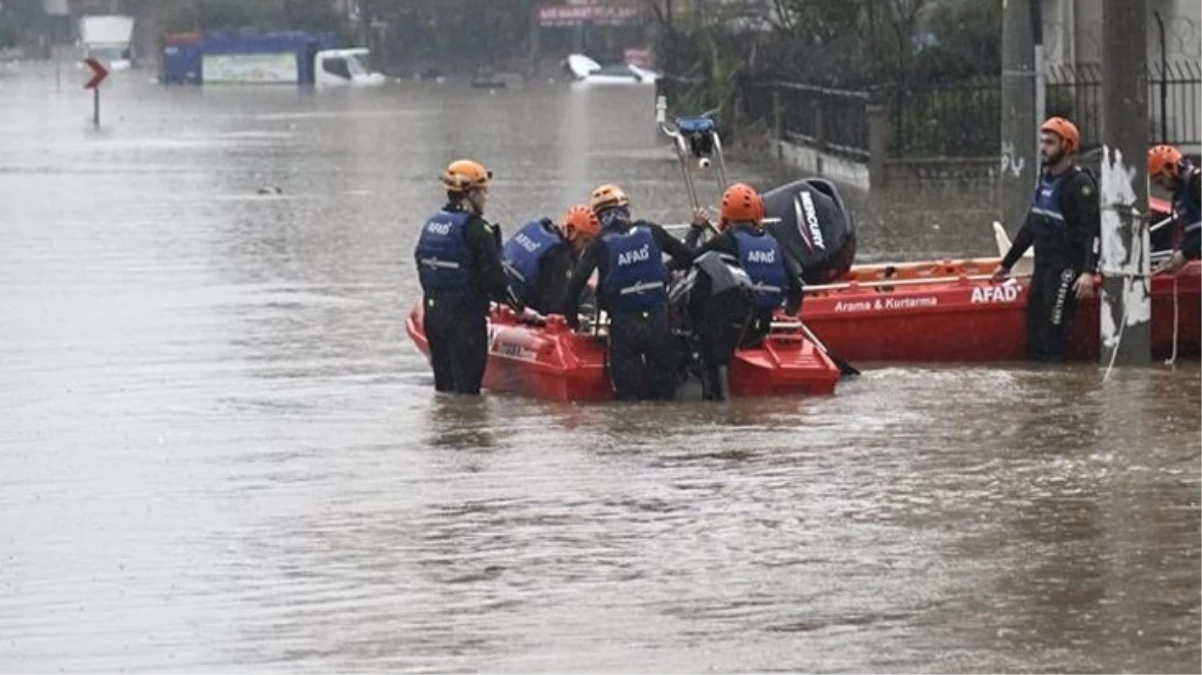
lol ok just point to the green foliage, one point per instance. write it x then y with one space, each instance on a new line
453 33
204 15
823 21
904 50
10 33
968 41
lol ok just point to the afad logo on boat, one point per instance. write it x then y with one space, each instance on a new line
1007 293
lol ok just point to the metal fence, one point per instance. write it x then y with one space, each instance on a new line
963 119
959 120
835 119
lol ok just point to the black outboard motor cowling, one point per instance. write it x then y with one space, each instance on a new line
815 228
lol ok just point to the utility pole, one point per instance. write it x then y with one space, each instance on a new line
1126 306
1020 163
1041 75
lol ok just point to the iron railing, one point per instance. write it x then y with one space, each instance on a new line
963 118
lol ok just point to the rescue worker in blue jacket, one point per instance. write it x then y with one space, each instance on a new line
776 276
1175 174
633 288
540 257
459 266
1064 225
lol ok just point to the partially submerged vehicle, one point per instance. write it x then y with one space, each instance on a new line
345 68
589 72
251 57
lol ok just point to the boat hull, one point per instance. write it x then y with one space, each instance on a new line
554 363
966 318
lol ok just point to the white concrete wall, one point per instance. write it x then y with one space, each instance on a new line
839 169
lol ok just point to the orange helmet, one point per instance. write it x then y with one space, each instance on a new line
742 204
607 197
1163 160
464 174
581 221
1066 130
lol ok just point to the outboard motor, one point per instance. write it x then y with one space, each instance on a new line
712 306
814 228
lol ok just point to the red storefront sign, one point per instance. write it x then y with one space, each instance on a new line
574 15
638 57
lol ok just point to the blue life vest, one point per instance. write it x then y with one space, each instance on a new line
762 259
443 260
1045 216
523 256
637 278
1188 211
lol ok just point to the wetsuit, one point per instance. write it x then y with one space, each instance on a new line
633 288
459 265
1187 208
1064 226
776 276
539 261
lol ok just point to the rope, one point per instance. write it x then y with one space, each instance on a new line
1114 353
1172 359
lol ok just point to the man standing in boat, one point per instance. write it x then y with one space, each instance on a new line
459 266
633 288
1064 225
539 259
776 276
1176 175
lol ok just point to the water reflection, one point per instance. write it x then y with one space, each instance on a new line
460 422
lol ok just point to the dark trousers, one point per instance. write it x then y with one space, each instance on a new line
458 347
1051 303
720 332
641 355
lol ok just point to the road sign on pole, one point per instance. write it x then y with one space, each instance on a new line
99 72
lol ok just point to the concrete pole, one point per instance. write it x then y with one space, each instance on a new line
1020 163
1126 316
1040 64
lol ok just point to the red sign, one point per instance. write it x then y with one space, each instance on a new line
99 72
574 15
638 57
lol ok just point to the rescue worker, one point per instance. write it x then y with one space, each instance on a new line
776 276
459 266
539 259
633 287
1064 225
1176 175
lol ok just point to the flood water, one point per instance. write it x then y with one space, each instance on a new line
220 452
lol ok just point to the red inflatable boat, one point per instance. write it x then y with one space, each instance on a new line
951 311
550 361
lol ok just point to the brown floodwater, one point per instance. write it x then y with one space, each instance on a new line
220 452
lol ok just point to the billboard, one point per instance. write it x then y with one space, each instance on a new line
575 15
637 57
279 68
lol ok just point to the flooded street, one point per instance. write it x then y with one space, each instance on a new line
219 451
